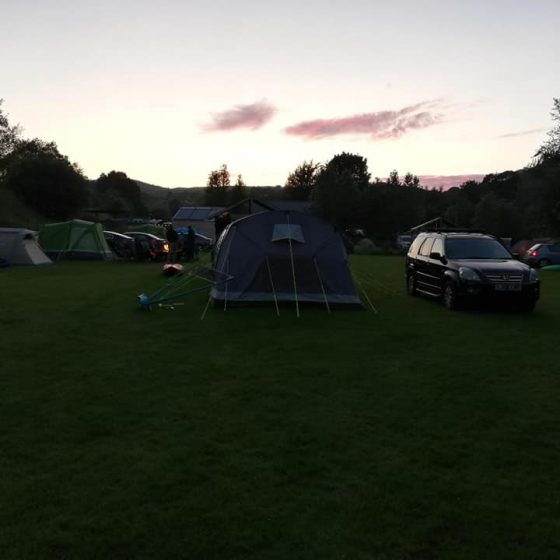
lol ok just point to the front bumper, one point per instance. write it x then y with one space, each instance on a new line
488 292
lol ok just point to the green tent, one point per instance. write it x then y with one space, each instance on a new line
76 239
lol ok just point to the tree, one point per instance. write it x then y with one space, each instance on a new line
336 198
550 149
394 178
497 217
238 191
340 186
411 180
217 187
219 178
9 135
353 165
44 179
302 180
116 190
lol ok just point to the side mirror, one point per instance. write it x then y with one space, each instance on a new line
516 256
437 257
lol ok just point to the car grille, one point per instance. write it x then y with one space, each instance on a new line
505 278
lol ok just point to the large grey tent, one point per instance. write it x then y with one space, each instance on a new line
19 246
283 257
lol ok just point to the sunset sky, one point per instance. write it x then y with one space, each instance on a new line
167 91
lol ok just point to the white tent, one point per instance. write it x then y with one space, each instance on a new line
19 246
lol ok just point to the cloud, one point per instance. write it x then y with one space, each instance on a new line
250 116
521 133
380 125
447 181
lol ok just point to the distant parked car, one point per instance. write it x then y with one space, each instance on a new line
543 254
403 242
201 241
122 245
157 246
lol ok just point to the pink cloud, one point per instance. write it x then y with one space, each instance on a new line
380 125
250 116
447 181
521 133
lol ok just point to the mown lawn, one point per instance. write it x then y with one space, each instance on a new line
410 433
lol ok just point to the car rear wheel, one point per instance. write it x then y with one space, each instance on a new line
411 285
450 297
543 262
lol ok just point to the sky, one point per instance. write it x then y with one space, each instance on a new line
168 91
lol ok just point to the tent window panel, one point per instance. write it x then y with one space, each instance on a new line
283 232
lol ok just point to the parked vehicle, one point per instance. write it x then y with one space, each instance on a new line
543 254
122 245
403 242
201 241
156 246
462 267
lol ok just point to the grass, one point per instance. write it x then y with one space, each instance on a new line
410 433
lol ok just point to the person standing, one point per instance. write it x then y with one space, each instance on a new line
221 222
172 237
189 244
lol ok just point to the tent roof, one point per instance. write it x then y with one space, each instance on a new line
284 257
197 212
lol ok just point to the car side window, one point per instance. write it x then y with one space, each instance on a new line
426 247
437 247
555 248
413 251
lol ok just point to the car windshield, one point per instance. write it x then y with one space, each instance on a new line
469 248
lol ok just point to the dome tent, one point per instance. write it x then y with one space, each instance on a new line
19 246
280 257
76 239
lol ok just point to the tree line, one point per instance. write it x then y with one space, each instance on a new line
523 203
517 204
48 182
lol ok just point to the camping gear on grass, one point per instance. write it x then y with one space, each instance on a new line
76 239
171 269
283 257
19 246
180 285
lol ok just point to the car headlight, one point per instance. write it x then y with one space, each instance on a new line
468 274
533 275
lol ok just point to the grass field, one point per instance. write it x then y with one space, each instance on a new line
410 433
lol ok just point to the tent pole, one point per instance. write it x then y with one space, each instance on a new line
207 306
293 270
365 294
321 282
225 299
273 290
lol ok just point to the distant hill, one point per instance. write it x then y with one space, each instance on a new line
156 197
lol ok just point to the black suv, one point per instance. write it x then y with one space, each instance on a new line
464 266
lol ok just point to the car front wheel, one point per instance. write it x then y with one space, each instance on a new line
450 297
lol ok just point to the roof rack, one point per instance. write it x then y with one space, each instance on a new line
456 230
